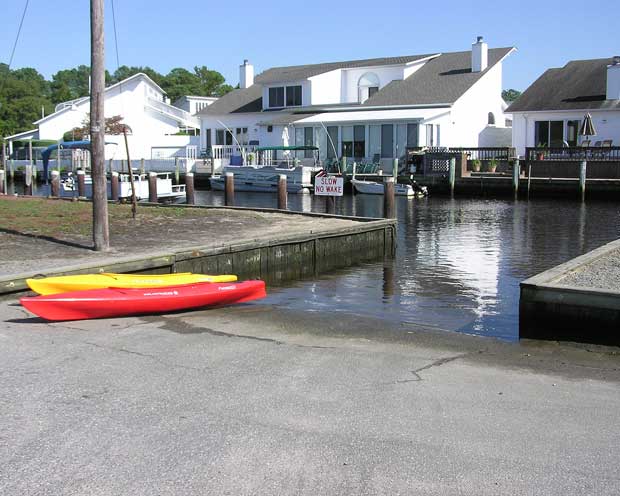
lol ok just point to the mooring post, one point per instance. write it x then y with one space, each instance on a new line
229 189
395 169
153 187
452 176
282 193
330 205
55 184
2 178
28 180
176 170
11 170
516 172
529 175
110 166
190 197
142 169
582 179
389 204
81 183
114 186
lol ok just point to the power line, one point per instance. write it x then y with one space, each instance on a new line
19 30
118 63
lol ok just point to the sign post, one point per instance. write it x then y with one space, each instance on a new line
330 187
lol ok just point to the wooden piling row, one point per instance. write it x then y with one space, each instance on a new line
81 183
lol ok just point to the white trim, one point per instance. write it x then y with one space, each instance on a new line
23 133
526 112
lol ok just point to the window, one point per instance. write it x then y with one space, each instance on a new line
491 121
219 137
412 135
276 97
367 83
293 96
270 129
548 133
387 141
208 132
308 141
229 138
359 141
374 142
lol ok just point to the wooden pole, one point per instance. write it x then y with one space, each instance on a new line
101 229
516 172
452 176
229 190
114 186
176 171
330 205
81 180
134 201
4 175
529 175
282 193
582 180
28 180
55 183
2 182
190 197
153 187
389 204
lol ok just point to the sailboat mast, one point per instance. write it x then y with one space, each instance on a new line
101 232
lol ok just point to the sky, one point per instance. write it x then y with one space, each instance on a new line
165 34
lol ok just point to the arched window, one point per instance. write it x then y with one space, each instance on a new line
491 119
367 86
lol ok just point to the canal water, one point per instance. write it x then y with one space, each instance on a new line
458 262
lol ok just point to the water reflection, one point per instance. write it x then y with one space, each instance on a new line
458 262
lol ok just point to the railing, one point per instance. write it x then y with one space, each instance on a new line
173 111
219 152
598 153
482 153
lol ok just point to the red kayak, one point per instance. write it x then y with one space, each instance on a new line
116 302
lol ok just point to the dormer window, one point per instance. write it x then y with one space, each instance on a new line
293 96
367 86
276 97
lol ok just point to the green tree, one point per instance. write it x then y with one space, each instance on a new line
510 95
124 72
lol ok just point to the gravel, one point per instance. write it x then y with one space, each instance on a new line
602 273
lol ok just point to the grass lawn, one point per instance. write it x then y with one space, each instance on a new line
47 217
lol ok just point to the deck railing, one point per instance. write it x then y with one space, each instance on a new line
480 153
598 153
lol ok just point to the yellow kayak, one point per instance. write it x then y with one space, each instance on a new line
64 284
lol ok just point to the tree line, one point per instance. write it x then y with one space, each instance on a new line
25 93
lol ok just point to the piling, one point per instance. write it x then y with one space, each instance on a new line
582 180
389 203
114 186
177 173
395 168
28 180
55 183
153 187
452 176
330 205
11 170
282 193
190 197
2 178
142 169
516 171
110 166
529 175
229 190
81 183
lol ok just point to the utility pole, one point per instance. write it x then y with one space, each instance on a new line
101 231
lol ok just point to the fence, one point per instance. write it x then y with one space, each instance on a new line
482 153
577 153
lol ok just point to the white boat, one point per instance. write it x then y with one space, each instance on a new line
373 188
165 189
69 182
264 178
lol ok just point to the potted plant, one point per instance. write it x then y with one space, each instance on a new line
475 165
540 154
492 165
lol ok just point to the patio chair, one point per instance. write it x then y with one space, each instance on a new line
607 143
597 144
585 143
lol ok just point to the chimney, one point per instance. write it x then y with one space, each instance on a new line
613 79
246 75
479 55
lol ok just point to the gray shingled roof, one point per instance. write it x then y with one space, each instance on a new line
579 85
441 80
300 72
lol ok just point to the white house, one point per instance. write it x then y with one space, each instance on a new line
194 104
368 109
143 105
550 111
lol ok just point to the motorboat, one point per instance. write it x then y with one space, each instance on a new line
264 176
375 188
120 302
166 190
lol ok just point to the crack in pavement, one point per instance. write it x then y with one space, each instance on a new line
146 355
436 363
